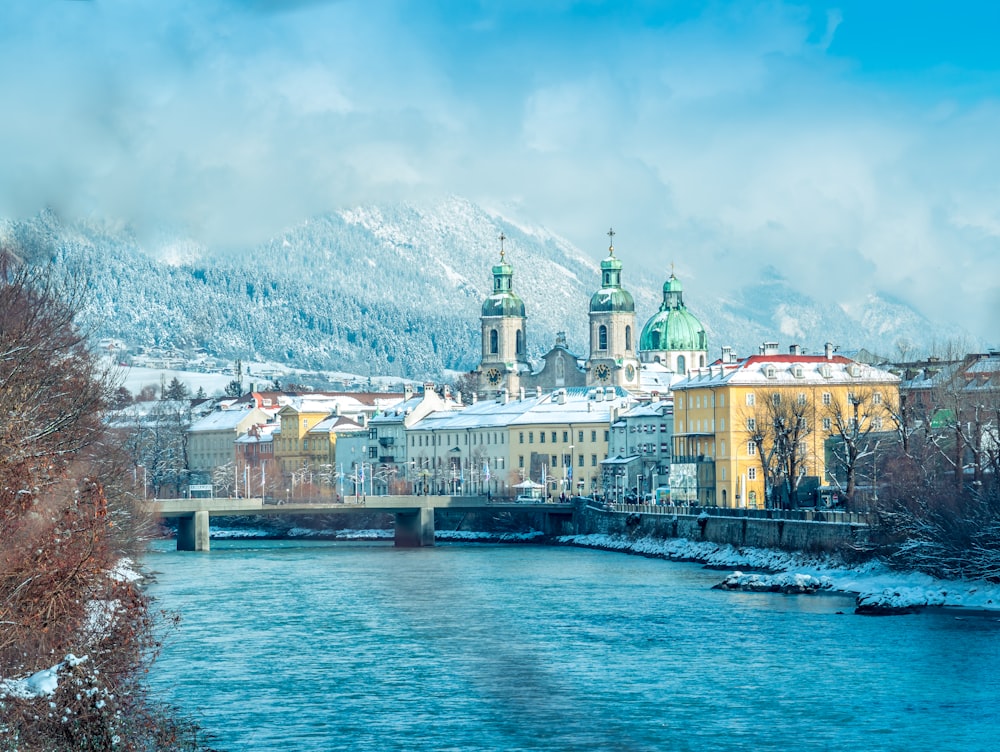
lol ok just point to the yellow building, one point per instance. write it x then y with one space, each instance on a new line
755 431
559 439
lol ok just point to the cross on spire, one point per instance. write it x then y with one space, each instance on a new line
502 238
611 234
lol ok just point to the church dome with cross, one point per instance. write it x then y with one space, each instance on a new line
612 296
674 337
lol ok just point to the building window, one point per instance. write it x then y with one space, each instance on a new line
605 435
554 437
520 437
593 460
877 398
751 399
801 398
775 398
554 463
579 436
519 343
593 436
628 338
565 437
579 460
751 448
602 337
531 437
826 424
827 398
520 461
751 473
751 424
877 423
494 342
681 365
541 437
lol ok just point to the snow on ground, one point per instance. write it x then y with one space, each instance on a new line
42 683
874 584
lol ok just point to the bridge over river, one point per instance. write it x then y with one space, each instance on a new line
414 515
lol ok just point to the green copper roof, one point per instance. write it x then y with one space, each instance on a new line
504 301
611 297
673 327
503 304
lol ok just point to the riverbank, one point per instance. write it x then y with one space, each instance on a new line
877 588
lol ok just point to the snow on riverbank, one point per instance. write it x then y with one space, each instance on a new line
875 585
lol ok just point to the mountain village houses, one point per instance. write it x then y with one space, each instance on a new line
645 415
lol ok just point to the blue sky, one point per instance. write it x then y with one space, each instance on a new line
850 145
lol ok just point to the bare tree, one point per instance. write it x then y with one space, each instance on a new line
777 424
853 419
66 522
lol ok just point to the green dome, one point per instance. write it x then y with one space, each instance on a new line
503 304
504 301
611 297
673 330
673 327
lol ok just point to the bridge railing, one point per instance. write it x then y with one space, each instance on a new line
802 515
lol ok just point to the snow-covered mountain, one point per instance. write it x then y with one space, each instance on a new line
397 290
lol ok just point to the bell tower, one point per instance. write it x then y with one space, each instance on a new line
503 321
612 360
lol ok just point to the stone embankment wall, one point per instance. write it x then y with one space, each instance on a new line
812 533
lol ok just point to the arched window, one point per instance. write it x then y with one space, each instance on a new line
681 364
494 342
628 338
519 346
701 361
602 337
655 342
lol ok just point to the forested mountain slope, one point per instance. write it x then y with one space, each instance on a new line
397 290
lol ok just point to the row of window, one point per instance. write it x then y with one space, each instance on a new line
554 436
565 460
478 439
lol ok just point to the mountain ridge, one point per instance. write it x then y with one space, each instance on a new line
397 289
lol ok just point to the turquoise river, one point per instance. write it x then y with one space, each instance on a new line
289 645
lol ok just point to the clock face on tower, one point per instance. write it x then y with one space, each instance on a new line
602 372
494 376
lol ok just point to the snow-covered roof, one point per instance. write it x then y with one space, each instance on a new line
580 406
222 420
785 370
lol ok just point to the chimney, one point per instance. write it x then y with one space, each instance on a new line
561 397
727 354
520 394
794 350
407 391
538 391
828 349
769 348
475 398
503 398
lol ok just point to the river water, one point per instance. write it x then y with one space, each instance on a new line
287 645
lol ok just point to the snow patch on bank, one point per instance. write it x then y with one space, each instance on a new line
874 584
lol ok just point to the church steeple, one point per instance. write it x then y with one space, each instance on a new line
503 319
612 325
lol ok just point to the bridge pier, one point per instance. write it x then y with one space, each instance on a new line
415 528
192 532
